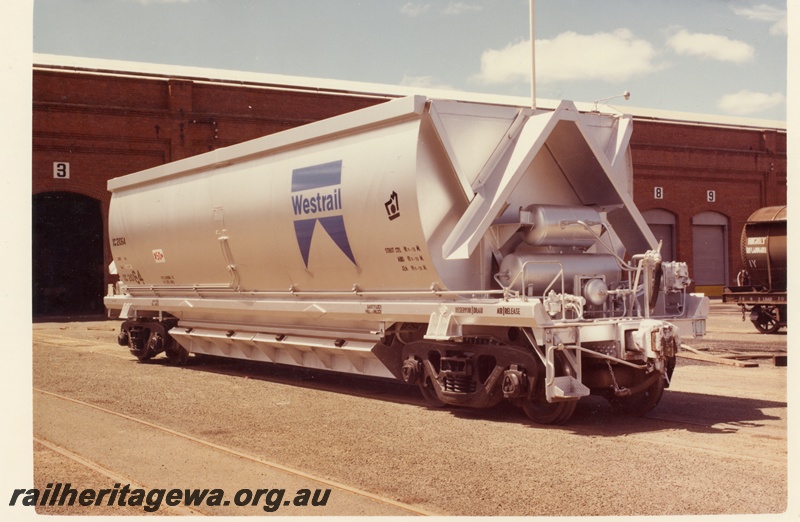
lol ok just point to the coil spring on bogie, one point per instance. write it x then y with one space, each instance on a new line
458 383
137 338
457 374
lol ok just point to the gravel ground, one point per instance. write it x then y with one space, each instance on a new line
716 443
52 467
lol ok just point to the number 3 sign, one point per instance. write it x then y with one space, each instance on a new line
60 170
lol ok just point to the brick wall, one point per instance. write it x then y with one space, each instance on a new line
745 169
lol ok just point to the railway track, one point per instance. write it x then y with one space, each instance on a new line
111 475
225 368
387 505
379 390
718 429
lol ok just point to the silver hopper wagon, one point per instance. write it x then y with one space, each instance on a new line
480 252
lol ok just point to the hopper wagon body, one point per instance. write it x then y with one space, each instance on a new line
480 252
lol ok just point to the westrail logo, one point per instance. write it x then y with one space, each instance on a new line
317 197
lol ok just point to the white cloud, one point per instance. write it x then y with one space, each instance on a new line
412 9
616 56
425 82
509 65
766 13
781 27
748 102
456 8
712 46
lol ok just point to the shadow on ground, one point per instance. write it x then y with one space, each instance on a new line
694 412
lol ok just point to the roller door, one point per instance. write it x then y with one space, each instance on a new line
662 225
709 247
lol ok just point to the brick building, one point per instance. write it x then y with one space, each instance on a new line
696 181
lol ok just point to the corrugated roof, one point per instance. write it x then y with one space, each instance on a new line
344 87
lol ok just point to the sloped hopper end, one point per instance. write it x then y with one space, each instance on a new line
555 158
580 165
586 173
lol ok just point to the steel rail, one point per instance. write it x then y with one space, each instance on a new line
251 458
98 468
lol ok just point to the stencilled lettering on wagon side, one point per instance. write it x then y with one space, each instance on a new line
374 309
408 257
133 277
470 310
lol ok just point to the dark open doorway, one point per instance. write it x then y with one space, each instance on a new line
67 255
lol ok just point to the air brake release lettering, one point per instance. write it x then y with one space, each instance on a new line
317 197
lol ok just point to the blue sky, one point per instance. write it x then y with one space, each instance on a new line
702 56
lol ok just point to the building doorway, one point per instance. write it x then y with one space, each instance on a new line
709 251
662 225
67 255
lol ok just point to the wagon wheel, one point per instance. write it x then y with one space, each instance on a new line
140 348
176 354
429 393
542 412
640 404
767 320
143 354
539 410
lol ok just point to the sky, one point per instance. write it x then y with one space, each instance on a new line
706 56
